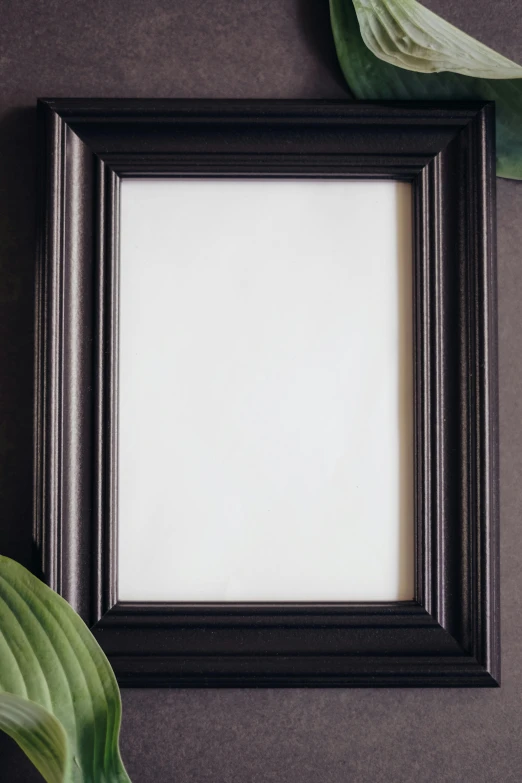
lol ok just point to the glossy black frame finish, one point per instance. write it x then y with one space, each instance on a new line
449 634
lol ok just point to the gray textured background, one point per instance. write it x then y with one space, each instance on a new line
248 49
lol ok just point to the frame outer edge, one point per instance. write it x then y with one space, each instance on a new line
63 362
488 557
47 493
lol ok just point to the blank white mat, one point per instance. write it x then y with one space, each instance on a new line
265 391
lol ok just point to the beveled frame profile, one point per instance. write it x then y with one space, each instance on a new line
449 634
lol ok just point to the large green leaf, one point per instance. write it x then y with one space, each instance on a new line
40 735
406 34
370 77
49 656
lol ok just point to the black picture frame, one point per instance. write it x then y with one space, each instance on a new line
449 634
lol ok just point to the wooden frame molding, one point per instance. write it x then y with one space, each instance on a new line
448 635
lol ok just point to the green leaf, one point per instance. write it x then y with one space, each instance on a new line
371 78
406 34
49 656
39 734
